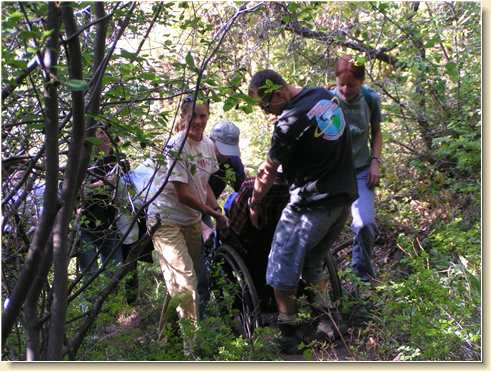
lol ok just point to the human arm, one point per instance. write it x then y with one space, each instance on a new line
263 183
376 150
186 196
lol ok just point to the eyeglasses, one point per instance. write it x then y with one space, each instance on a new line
265 102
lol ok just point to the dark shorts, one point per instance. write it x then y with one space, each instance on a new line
301 240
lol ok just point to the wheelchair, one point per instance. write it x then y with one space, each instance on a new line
239 280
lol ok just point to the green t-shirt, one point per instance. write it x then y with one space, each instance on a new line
359 113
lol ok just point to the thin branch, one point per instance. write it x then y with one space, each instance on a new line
137 100
98 20
330 38
50 207
38 52
156 16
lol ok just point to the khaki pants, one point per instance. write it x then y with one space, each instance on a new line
178 249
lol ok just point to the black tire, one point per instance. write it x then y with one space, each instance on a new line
245 300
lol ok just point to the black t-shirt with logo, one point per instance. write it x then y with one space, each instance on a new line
311 143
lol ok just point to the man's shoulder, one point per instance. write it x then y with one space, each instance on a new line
318 91
306 99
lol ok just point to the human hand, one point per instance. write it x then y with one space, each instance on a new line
272 119
374 174
222 221
254 216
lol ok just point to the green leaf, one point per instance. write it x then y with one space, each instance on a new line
237 79
383 6
77 85
270 87
94 140
126 70
247 99
190 62
431 42
211 82
15 16
292 7
360 60
27 35
452 71
149 76
47 34
128 55
247 109
229 103
286 19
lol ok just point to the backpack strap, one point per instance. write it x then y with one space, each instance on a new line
369 98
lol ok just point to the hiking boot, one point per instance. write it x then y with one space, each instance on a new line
290 338
325 330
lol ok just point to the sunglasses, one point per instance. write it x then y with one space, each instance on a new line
265 102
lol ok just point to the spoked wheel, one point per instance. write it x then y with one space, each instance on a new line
335 288
233 285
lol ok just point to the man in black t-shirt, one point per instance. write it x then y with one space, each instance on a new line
314 149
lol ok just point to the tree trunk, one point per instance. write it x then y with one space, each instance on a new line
69 193
32 321
50 202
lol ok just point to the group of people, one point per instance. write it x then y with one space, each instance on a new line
326 149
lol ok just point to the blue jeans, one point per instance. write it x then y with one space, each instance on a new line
302 238
364 227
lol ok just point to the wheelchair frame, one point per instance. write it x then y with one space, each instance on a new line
246 300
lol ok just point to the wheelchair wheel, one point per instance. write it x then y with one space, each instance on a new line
335 288
234 285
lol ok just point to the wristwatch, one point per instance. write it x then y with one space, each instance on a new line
377 159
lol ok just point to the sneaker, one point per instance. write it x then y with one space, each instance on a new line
325 331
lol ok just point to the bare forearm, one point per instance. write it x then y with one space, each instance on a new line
189 200
211 200
187 197
264 180
376 141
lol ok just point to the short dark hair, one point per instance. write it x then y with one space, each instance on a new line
347 63
258 81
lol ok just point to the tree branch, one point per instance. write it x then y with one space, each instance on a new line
98 20
69 192
50 205
330 38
